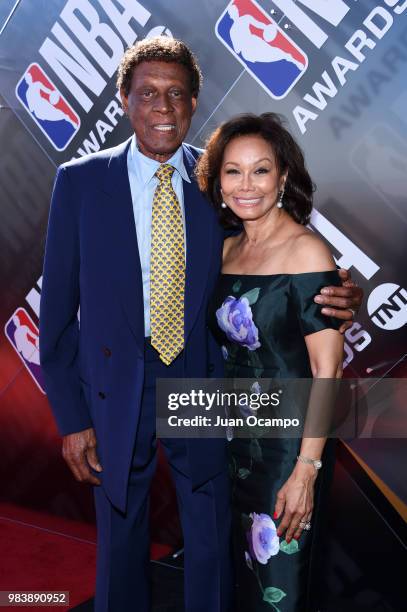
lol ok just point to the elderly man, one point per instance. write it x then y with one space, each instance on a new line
132 241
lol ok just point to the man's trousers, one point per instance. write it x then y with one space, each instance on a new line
123 562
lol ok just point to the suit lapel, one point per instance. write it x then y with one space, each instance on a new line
119 222
123 240
199 228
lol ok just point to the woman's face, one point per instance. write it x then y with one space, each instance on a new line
249 177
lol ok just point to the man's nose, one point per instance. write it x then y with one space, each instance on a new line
163 104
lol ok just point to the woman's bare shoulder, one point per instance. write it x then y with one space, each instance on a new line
310 253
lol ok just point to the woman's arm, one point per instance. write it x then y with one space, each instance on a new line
296 497
339 302
325 351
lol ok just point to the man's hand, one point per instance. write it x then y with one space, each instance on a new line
347 299
79 451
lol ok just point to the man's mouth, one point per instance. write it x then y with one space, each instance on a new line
164 127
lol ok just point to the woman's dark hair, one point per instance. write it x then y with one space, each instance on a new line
289 158
158 49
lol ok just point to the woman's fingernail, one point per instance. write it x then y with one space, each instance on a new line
288 540
275 515
296 537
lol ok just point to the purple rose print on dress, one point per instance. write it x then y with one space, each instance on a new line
263 539
236 320
256 387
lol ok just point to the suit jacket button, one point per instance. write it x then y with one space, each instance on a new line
102 395
211 367
107 351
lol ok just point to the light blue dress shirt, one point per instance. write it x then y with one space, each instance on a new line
143 183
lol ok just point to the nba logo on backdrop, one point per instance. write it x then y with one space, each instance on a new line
46 105
264 49
23 334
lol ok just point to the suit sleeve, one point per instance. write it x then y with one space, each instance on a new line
59 326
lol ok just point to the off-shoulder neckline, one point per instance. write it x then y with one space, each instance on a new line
276 274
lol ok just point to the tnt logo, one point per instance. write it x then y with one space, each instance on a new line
24 336
267 53
46 105
387 306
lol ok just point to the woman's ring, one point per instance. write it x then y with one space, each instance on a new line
305 526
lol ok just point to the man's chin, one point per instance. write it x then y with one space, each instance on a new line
167 144
161 151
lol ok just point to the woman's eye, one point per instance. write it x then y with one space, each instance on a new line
262 170
231 171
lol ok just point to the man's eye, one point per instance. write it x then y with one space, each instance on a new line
176 93
147 93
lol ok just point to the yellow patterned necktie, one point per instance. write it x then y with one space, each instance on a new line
167 269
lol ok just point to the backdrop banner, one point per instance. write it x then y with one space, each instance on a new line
333 69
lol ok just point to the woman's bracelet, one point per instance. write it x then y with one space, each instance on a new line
317 463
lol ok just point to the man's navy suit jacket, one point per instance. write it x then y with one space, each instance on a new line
94 370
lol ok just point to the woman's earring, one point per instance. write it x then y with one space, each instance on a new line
280 198
223 205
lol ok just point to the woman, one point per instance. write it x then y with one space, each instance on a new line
264 316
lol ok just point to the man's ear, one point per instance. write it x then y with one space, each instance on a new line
123 96
194 102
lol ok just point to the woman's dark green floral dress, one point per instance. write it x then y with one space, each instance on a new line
260 323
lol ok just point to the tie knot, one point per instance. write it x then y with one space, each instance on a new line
165 172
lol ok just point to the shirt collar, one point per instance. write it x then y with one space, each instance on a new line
145 167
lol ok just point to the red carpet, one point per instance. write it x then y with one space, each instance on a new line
44 552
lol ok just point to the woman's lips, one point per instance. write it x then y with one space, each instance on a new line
247 201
